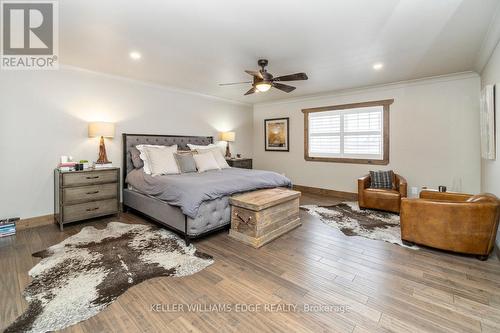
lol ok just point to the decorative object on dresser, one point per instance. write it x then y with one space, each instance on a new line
82 275
452 221
277 134
102 130
81 195
228 137
380 194
244 163
261 216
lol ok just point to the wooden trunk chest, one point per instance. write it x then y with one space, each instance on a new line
260 216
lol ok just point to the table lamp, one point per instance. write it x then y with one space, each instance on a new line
228 137
103 130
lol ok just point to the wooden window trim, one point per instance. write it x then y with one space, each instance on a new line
384 103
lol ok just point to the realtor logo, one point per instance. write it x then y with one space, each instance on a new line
29 35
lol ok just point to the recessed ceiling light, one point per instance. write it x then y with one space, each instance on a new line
378 66
135 55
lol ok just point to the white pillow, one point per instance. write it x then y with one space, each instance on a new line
219 158
221 145
195 147
159 160
144 157
205 162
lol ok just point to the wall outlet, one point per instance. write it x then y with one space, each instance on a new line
414 192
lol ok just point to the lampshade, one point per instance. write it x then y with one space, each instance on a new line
98 129
227 136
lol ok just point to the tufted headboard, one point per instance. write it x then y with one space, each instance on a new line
132 140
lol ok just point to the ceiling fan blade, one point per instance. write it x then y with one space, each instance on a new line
233 83
292 77
283 87
251 91
256 74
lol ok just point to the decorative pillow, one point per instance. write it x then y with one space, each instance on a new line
142 149
382 179
185 162
221 145
219 158
158 160
136 158
205 162
195 147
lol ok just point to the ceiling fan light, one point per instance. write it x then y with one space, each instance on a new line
263 86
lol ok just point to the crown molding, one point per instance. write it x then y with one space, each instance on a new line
490 42
153 85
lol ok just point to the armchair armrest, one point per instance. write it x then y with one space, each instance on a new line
363 182
402 186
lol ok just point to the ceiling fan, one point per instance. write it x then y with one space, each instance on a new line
263 80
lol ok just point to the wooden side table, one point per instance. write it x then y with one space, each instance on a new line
244 163
81 195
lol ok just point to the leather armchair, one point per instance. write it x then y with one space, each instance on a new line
382 199
451 221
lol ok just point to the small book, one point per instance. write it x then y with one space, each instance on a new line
5 235
67 164
102 165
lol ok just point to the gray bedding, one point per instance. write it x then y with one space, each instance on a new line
189 190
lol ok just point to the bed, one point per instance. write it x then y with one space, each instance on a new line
193 204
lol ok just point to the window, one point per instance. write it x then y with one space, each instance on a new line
352 133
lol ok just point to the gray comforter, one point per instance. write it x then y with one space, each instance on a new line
190 190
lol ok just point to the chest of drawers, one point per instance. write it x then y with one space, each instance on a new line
244 163
81 195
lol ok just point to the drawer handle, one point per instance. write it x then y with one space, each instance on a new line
95 192
247 221
94 177
92 209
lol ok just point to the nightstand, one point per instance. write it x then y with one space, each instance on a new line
244 163
81 195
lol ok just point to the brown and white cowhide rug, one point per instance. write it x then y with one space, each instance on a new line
353 221
82 275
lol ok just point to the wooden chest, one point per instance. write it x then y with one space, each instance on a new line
260 216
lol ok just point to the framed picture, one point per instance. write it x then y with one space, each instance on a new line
277 134
487 120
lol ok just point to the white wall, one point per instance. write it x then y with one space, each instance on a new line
44 114
490 175
491 169
434 133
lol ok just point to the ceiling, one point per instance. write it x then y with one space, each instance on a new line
197 44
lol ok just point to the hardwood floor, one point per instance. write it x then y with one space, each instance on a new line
384 287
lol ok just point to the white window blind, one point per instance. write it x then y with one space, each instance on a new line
350 133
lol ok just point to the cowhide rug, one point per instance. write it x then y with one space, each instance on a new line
353 221
82 275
